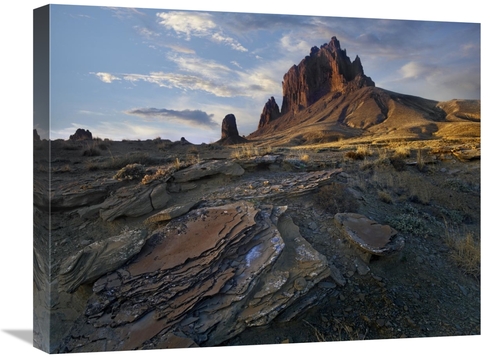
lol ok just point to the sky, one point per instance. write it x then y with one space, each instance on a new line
142 73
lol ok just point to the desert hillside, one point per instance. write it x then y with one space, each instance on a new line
327 98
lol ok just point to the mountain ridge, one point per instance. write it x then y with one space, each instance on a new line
327 97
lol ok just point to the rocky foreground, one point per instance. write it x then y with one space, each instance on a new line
202 253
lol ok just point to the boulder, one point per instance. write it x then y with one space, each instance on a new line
369 236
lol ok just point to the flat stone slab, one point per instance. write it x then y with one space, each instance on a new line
368 235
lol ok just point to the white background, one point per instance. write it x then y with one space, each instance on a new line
16 175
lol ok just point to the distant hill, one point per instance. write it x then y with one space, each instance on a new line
327 97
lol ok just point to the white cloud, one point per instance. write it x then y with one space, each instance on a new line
147 33
91 113
414 70
218 37
106 77
189 24
291 44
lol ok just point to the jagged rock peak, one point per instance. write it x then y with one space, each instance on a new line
230 133
270 112
81 134
326 69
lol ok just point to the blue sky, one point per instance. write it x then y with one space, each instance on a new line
142 73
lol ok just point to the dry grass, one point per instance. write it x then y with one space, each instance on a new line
336 199
385 197
466 250
362 151
250 151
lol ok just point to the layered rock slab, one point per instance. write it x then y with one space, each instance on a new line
368 235
205 276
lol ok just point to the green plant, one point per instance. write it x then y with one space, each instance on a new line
409 224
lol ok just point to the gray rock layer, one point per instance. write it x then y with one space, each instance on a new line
204 277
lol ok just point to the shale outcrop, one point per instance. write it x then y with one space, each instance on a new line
203 277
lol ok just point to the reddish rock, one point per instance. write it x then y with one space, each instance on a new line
270 112
326 69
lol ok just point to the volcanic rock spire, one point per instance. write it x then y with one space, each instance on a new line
230 133
270 112
326 69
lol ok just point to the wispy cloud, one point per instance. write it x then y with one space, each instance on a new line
199 74
106 77
125 12
416 70
195 118
189 24
146 32
90 113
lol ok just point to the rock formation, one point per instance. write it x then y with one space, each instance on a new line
230 133
369 236
326 69
81 134
36 136
270 112
203 278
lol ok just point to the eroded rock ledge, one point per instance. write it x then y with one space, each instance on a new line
200 280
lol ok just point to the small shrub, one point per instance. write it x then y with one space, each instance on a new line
402 151
335 198
354 155
92 166
364 150
130 172
385 197
91 152
409 224
70 146
193 150
466 252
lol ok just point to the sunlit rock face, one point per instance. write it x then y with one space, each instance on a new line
326 69
200 280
